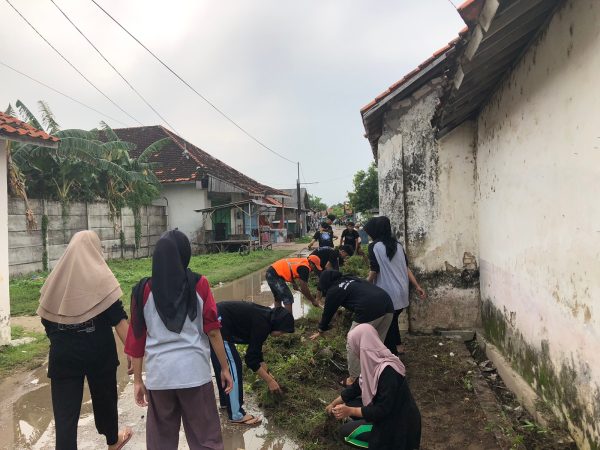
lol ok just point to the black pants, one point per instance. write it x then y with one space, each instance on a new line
392 339
67 394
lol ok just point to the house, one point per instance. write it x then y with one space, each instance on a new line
290 207
488 157
12 130
192 180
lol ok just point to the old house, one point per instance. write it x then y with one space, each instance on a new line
192 180
12 130
488 156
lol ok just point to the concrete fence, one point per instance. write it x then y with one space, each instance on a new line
28 249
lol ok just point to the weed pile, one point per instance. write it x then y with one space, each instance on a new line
308 372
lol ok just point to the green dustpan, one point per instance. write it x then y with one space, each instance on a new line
353 440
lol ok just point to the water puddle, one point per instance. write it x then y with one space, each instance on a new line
26 420
254 288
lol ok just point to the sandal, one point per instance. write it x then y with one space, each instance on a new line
248 419
127 433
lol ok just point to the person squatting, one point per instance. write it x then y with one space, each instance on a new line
178 332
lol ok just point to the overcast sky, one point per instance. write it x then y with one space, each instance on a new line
294 74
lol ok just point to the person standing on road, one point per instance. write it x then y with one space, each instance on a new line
351 238
369 303
250 324
295 271
173 320
385 414
389 270
79 306
324 237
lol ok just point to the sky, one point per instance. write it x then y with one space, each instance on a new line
293 74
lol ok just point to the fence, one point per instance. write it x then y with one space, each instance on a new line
31 251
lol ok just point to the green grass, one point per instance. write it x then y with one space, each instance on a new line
26 356
218 268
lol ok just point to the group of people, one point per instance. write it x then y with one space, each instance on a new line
179 332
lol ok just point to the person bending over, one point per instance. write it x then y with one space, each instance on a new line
295 271
369 303
250 324
332 259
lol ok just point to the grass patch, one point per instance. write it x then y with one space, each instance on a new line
303 239
218 268
26 356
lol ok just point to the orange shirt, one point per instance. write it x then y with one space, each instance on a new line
287 268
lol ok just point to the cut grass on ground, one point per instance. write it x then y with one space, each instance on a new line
26 356
218 268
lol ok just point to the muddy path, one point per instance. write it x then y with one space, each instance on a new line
26 420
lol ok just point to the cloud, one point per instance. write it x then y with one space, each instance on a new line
294 74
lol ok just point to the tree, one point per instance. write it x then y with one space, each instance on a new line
366 190
316 203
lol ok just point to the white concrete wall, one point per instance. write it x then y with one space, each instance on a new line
427 189
538 165
452 225
4 297
183 199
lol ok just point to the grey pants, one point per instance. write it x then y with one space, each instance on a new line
196 407
381 325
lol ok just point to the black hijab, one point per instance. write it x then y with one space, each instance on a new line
173 284
380 230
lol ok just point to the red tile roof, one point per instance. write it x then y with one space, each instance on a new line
398 84
182 161
13 128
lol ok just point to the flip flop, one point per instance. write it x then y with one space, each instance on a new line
127 431
250 420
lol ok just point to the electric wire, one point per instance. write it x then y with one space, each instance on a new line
71 64
61 93
113 67
217 109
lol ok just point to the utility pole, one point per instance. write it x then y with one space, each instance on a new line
299 230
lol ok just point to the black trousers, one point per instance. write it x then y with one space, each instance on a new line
67 394
392 339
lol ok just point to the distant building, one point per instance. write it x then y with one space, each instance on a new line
193 180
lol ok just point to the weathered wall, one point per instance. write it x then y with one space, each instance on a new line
26 248
4 300
427 189
538 164
183 199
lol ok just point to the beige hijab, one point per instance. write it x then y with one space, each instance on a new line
81 286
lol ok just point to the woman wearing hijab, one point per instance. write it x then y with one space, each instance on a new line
369 303
386 415
173 319
251 324
389 270
79 305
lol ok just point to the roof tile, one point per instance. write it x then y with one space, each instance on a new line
11 126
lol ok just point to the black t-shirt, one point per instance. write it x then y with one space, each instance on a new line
325 238
367 301
327 254
245 323
78 352
350 238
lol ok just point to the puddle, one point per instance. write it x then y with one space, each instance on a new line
26 420
254 288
